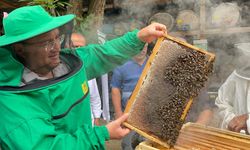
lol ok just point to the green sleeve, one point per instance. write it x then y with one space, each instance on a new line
100 59
41 134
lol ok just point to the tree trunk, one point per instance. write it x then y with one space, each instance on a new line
96 8
77 8
88 25
95 19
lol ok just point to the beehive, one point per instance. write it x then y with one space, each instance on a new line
172 77
199 137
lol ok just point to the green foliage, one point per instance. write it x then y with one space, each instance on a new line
82 24
52 6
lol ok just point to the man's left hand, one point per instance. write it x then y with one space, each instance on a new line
97 121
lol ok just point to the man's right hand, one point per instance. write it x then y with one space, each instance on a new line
238 123
115 128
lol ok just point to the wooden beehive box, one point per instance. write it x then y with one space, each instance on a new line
172 77
200 137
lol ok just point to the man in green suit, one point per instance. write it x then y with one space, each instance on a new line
44 95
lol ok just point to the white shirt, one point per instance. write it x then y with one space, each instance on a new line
95 100
29 76
234 99
105 84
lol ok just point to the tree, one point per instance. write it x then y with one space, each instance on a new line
90 23
75 8
96 8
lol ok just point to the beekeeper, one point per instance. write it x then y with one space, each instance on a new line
233 99
44 94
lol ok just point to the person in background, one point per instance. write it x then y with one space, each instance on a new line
233 103
78 40
44 94
123 82
234 95
205 116
202 110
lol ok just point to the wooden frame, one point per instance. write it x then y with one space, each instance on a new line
143 76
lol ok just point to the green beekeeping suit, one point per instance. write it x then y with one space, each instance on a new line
55 113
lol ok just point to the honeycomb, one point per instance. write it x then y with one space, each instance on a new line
173 76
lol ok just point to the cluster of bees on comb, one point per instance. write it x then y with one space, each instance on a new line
187 74
176 74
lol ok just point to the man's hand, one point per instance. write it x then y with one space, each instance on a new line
97 121
238 123
152 32
116 131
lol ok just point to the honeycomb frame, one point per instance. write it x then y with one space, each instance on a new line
143 77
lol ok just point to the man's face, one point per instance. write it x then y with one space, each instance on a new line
41 53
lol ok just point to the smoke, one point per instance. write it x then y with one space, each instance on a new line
226 25
132 9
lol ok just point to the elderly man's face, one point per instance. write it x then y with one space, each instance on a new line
41 53
78 40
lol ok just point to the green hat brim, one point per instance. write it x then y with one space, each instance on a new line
54 23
